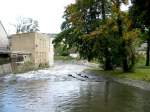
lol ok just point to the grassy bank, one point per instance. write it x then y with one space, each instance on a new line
140 73
63 58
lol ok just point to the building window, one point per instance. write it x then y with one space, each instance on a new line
20 58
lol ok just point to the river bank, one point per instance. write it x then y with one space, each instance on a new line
131 79
139 78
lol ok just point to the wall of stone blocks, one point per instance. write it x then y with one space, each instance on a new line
5 69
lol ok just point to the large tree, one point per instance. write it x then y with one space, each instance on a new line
99 29
82 18
140 14
117 6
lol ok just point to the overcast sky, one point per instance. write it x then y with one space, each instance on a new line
48 13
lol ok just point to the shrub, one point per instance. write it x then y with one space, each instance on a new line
43 65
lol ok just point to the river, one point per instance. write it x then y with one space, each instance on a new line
55 90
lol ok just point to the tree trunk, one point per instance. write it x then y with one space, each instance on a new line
123 53
108 61
103 10
132 58
125 65
148 52
108 64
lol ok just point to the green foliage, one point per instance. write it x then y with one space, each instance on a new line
140 60
4 60
43 65
63 58
61 50
140 14
138 74
81 18
99 30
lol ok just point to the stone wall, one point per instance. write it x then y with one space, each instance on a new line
5 69
39 45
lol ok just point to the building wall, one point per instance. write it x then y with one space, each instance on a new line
5 69
41 49
20 58
23 43
35 43
4 43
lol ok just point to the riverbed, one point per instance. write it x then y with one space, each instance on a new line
63 89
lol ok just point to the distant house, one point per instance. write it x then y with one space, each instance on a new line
52 36
34 47
142 49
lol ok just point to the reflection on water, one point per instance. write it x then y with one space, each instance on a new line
71 96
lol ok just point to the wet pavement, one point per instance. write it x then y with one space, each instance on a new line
63 88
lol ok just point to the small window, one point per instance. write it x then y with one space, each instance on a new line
19 58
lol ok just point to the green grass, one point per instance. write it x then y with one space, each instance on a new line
63 58
139 74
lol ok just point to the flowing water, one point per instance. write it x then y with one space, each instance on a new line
53 90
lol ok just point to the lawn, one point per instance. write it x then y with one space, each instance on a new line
138 74
63 58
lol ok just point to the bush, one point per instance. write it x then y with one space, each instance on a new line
61 50
140 60
45 65
4 60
